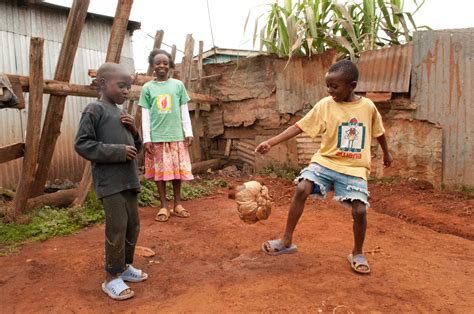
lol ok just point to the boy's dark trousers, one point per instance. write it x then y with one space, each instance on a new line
122 226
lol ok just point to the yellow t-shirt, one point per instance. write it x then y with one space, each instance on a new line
346 130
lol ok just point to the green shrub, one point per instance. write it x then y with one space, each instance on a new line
281 171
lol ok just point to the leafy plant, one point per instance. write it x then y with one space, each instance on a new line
281 171
189 190
307 27
148 195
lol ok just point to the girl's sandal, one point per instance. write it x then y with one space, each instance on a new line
163 215
180 211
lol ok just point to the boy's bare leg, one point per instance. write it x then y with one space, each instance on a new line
303 190
161 185
359 214
177 192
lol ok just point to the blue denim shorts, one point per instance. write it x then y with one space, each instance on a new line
346 188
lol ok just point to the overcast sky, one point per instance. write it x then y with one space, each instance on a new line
181 17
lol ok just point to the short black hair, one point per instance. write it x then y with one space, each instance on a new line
347 68
157 51
109 68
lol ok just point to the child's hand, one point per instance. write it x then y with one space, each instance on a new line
129 123
263 147
131 152
189 140
148 148
387 159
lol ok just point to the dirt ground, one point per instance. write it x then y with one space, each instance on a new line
212 261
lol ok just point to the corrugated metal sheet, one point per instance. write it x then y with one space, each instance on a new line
219 59
246 150
442 87
307 147
17 25
385 70
299 84
215 122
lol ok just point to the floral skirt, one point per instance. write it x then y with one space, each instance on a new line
168 161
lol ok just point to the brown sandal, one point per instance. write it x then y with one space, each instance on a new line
163 215
180 211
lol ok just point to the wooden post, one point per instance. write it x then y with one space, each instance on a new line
173 52
33 128
199 65
84 186
114 50
196 146
54 113
186 68
156 45
119 28
187 60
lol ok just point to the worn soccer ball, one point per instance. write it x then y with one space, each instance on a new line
253 201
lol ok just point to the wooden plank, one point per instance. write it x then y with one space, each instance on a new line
119 29
203 166
33 127
16 86
58 88
54 113
11 152
61 198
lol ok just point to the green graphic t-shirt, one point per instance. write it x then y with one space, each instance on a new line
164 100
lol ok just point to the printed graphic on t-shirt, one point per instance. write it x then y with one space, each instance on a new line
351 139
163 103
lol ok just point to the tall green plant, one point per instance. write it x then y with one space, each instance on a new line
306 27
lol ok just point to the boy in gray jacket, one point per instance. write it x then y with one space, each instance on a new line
109 139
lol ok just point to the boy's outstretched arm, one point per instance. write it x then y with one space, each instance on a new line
387 157
265 146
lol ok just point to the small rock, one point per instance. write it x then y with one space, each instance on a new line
29 260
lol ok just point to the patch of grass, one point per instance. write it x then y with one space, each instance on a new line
281 171
189 190
465 189
48 221
384 180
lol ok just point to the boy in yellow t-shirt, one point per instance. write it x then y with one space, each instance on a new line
346 123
